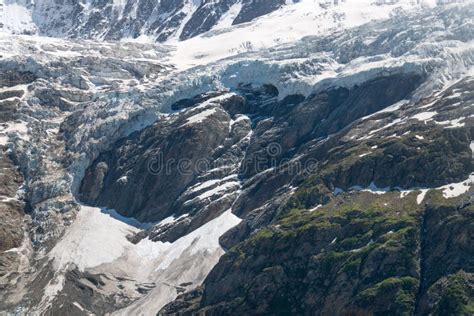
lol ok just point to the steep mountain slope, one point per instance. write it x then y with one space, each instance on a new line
113 19
340 244
326 175
181 19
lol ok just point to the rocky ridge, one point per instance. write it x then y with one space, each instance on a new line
113 20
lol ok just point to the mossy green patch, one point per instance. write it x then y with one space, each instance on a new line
400 292
457 297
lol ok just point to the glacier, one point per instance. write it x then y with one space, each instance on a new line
105 91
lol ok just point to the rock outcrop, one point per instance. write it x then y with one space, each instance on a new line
112 20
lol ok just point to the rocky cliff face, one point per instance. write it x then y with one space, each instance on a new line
331 175
344 242
113 20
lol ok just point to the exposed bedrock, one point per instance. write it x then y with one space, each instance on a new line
358 258
357 235
228 134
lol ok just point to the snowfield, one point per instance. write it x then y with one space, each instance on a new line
93 239
97 242
291 22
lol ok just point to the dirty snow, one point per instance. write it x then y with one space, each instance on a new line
205 238
93 239
97 241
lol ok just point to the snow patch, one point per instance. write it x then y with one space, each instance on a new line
315 208
223 187
78 305
372 188
421 196
203 185
205 238
404 193
97 241
93 239
456 123
229 17
457 189
171 219
424 116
